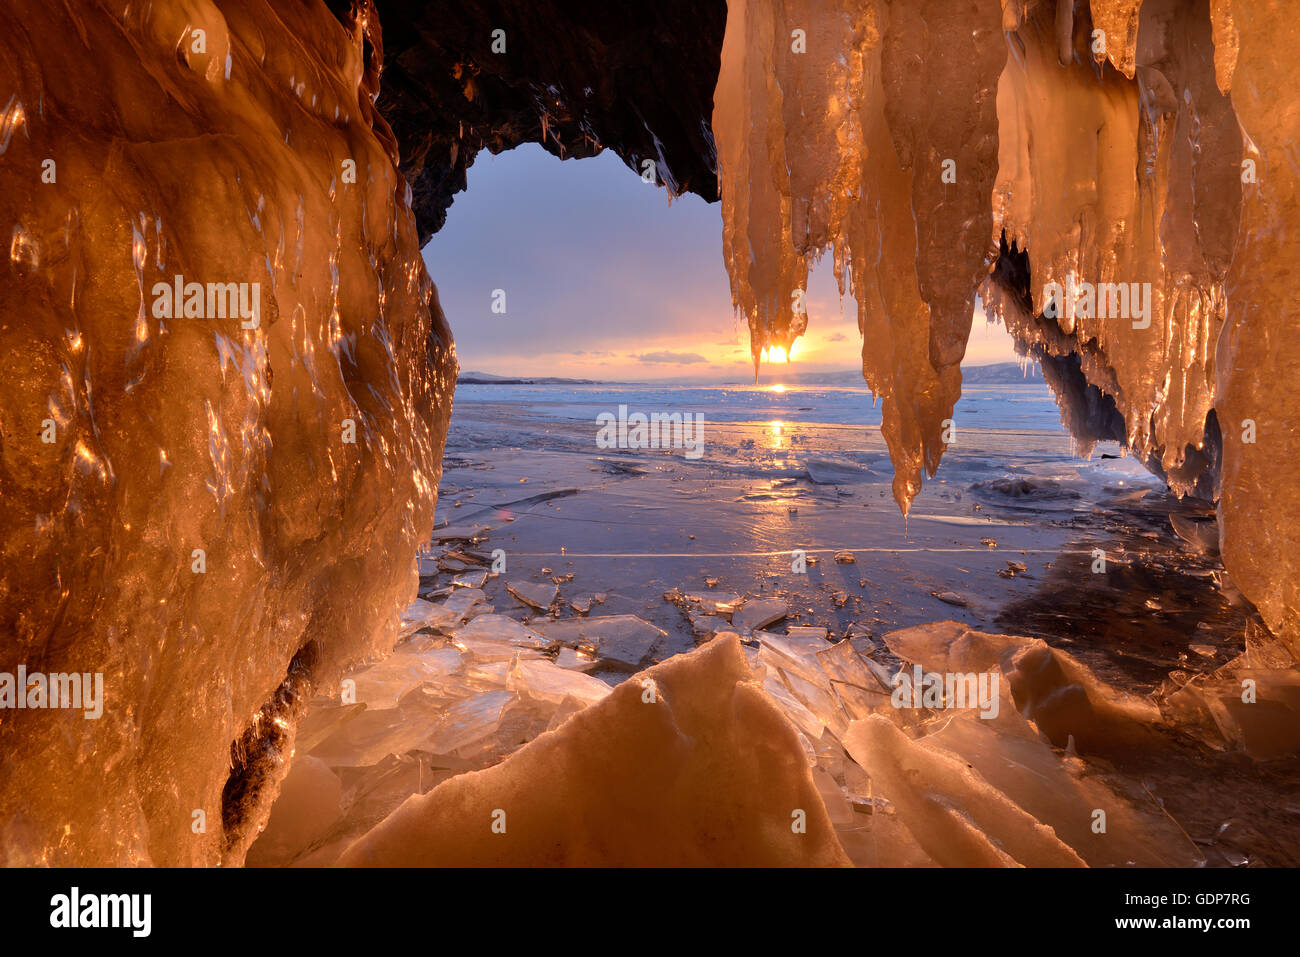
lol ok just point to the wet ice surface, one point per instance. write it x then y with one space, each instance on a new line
634 525
616 560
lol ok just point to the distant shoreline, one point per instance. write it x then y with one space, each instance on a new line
997 373
547 380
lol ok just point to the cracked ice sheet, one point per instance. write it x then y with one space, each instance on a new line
881 773
748 502
1029 781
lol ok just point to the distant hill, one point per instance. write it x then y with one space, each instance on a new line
487 378
1001 373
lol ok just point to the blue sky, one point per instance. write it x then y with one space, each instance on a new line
603 278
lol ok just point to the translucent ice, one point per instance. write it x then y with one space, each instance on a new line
1132 153
759 613
216 511
534 594
835 128
593 791
438 706
970 788
954 813
622 639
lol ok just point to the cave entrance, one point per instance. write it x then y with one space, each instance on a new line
610 453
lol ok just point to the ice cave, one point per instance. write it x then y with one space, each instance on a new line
228 383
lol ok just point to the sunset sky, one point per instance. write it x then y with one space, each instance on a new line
604 280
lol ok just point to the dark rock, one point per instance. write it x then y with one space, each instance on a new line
578 76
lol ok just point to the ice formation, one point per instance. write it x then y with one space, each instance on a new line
821 147
216 513
687 764
462 749
951 787
456 696
937 150
215 501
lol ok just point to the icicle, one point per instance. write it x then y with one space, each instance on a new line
934 154
820 148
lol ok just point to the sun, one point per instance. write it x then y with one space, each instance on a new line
777 354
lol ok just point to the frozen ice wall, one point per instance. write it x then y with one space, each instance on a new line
1132 152
1258 370
214 508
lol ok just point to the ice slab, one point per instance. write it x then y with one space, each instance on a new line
537 595
1058 693
309 804
706 626
544 680
425 614
591 793
386 682
958 818
826 471
501 628
466 603
623 639
435 707
576 659
970 786
715 603
759 613
1255 710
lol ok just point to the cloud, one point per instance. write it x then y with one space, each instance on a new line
681 358
838 337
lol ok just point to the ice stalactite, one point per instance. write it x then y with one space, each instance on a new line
821 148
1013 149
767 269
1109 181
1118 22
216 510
